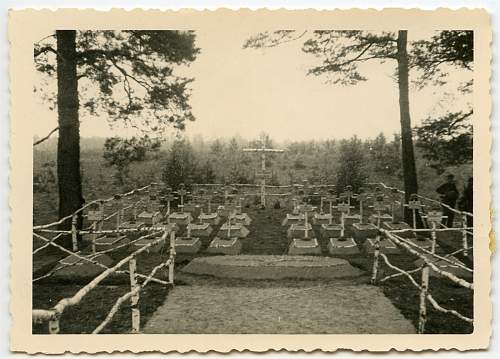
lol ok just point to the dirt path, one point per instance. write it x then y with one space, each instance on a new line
256 304
257 307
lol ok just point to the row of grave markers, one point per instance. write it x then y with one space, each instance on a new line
153 215
365 233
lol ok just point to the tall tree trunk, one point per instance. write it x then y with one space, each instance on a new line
68 145
408 157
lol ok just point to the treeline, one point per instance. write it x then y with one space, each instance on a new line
351 161
344 162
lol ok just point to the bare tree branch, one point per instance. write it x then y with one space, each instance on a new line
264 40
46 137
43 50
45 38
140 82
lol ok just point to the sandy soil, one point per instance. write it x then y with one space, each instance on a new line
310 308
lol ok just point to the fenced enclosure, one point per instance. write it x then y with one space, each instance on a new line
154 233
137 280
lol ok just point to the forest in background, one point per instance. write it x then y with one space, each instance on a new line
352 161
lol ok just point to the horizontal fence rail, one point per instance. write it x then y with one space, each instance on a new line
429 260
53 315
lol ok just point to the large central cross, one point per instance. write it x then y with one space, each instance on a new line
263 174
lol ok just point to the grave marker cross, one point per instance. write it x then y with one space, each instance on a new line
295 209
343 208
169 197
434 218
200 199
331 198
415 205
362 198
348 194
379 205
396 200
263 174
182 192
306 209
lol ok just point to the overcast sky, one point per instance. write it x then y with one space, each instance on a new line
243 92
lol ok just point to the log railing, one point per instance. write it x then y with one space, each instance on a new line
429 261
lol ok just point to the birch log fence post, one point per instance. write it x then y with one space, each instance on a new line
171 258
376 255
134 299
74 232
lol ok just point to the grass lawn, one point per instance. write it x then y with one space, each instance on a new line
86 316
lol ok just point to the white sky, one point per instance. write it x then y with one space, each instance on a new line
240 92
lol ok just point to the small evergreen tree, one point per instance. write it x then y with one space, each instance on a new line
351 166
181 165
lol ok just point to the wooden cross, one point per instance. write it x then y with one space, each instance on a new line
263 151
344 209
416 206
434 217
396 200
331 198
230 218
295 209
182 192
348 194
169 197
200 199
96 217
379 205
306 209
362 198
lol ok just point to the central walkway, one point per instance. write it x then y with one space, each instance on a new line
264 291
226 303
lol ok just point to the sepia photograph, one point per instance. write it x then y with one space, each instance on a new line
254 180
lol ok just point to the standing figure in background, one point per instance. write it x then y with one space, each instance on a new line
466 201
449 196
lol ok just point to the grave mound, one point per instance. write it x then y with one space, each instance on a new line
75 269
272 267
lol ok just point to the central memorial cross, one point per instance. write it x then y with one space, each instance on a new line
263 174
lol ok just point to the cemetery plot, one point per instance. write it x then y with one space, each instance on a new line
342 244
305 243
324 218
189 243
362 229
385 244
264 174
264 235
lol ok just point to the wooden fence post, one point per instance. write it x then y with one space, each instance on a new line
93 236
422 313
376 255
464 235
54 325
171 258
100 223
119 215
134 299
74 232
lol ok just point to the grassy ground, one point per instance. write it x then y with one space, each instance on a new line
86 316
267 236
